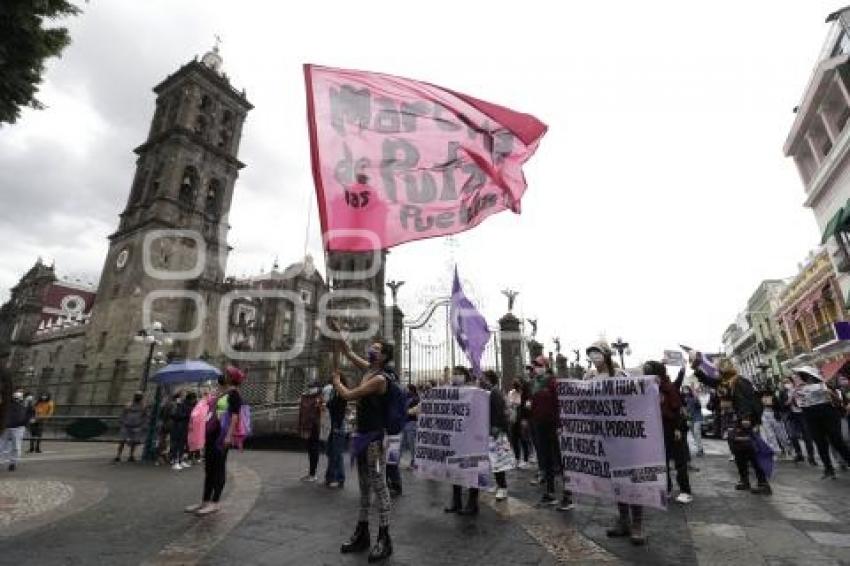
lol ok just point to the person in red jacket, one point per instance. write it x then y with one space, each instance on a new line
673 424
544 422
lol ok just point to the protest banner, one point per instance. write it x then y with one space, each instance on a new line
674 358
612 442
452 436
396 160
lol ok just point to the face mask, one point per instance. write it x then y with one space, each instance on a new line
596 357
372 354
539 370
18 396
458 379
221 380
843 383
137 398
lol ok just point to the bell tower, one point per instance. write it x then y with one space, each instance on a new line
171 241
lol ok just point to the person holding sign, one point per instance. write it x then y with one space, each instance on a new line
630 520
822 416
740 395
460 378
367 445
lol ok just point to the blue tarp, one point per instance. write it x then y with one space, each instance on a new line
188 371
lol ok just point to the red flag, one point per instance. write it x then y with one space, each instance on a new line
396 160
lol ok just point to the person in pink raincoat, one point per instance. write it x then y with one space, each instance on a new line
197 427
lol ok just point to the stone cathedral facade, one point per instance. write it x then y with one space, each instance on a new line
166 263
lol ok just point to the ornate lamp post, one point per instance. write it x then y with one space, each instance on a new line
153 337
622 347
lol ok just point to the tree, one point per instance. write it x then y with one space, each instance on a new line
25 44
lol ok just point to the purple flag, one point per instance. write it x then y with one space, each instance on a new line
706 361
468 326
842 330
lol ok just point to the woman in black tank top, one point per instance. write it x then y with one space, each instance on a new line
368 444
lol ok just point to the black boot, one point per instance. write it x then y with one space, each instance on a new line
471 504
359 541
457 503
383 546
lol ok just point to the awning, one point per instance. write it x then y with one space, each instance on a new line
829 369
834 224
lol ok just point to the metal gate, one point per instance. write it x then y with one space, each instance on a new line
430 351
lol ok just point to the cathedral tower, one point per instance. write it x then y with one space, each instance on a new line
169 253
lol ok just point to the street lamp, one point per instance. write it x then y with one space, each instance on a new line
153 337
621 347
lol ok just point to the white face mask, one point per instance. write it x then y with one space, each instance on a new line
458 379
18 396
596 357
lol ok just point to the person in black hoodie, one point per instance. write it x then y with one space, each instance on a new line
180 412
745 418
17 417
498 424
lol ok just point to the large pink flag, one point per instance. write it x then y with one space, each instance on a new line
396 160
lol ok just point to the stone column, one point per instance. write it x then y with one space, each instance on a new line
510 344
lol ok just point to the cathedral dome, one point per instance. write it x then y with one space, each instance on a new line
212 59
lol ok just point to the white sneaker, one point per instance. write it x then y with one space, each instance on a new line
310 479
207 509
524 465
501 494
186 464
684 498
193 508
176 466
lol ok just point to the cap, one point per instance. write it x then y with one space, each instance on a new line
235 375
600 346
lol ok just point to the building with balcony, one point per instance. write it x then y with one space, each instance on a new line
819 143
761 309
808 306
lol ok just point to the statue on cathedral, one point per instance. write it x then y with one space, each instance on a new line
394 286
533 323
511 295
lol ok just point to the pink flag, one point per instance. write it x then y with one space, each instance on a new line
396 160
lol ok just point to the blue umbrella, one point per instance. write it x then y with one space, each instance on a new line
188 371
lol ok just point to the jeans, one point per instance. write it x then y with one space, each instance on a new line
795 425
336 467
677 450
10 444
824 422
546 443
408 441
313 448
215 471
696 432
519 440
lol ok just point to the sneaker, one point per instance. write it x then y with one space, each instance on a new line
535 481
828 474
566 504
684 498
310 479
692 468
742 487
176 467
12 467
501 494
731 458
193 508
799 459
762 489
186 464
207 509
700 453
333 484
116 460
492 489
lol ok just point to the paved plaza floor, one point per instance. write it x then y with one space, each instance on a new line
71 505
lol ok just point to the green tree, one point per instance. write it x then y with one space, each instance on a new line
25 44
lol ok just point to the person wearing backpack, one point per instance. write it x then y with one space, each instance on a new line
225 407
367 446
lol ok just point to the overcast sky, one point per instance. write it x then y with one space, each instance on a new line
657 201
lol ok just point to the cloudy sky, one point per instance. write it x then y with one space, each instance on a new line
657 202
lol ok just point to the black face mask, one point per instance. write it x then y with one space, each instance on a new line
221 380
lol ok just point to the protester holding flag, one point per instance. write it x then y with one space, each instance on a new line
746 411
630 520
367 445
819 402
